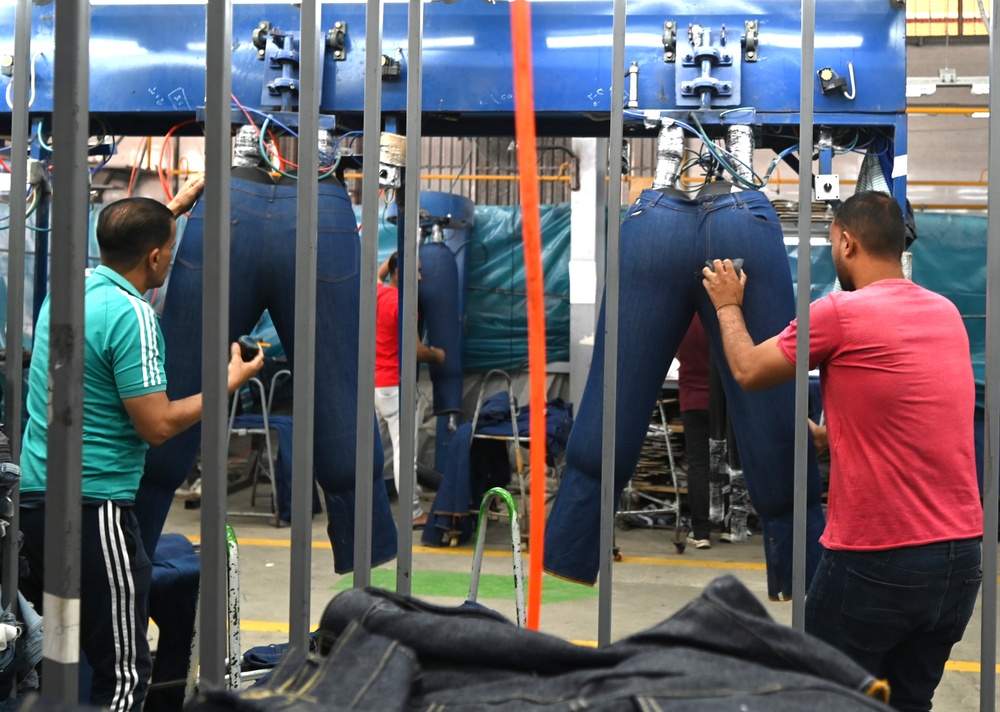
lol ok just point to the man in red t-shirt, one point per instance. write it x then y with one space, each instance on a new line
896 587
387 367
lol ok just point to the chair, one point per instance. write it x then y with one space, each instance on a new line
259 425
514 437
632 494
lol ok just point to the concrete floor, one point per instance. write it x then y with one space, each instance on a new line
650 583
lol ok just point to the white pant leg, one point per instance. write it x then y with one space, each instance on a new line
387 409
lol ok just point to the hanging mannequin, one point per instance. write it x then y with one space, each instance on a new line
665 241
262 265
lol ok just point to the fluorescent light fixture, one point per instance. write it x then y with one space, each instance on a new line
640 39
920 87
813 241
148 2
448 42
822 41
117 47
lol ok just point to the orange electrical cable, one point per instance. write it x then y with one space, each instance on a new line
245 113
163 150
527 160
277 152
135 166
282 161
4 165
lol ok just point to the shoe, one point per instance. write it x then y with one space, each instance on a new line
727 537
420 521
699 543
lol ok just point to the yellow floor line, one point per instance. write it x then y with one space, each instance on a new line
467 552
657 561
278 627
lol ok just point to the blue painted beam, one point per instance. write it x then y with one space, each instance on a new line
148 61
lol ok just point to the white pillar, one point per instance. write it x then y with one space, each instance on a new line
586 278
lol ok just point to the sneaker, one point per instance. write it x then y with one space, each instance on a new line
699 543
727 537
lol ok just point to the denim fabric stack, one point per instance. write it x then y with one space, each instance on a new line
20 634
720 652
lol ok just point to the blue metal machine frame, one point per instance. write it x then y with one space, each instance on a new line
728 62
148 69
148 62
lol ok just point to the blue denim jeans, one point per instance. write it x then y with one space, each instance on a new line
665 242
897 612
440 312
263 277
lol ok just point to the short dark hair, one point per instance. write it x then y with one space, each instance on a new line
129 229
876 220
393 263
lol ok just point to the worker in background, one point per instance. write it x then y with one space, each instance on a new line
897 583
125 409
387 368
692 382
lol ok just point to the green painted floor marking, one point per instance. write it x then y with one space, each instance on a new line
456 585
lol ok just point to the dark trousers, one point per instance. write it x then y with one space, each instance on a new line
696 453
897 612
115 575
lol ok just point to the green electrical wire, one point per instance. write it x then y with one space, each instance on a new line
267 159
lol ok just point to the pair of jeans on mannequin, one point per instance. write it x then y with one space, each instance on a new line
262 264
665 241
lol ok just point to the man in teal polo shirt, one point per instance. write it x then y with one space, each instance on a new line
125 409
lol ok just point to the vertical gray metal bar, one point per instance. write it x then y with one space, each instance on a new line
366 308
610 396
215 346
991 453
806 103
70 119
408 348
306 246
15 280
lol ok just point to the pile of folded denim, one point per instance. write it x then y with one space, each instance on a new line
722 651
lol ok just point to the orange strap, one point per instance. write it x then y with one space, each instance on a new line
527 160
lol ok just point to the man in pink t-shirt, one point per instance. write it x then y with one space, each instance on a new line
387 367
898 582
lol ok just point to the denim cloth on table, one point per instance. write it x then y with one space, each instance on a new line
173 601
897 612
9 662
720 652
361 672
665 242
262 268
20 659
474 466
